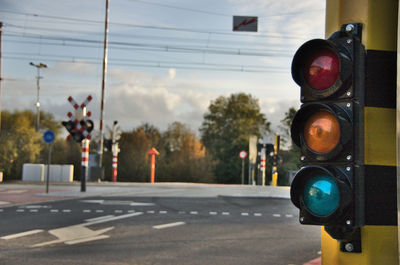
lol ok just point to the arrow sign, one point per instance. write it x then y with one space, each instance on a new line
242 23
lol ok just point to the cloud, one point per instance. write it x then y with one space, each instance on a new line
77 68
172 73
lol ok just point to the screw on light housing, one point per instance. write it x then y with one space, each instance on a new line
349 247
349 27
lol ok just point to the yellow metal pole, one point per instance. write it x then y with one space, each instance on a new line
379 236
275 163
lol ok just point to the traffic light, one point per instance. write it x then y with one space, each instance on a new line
87 125
328 128
78 130
107 145
73 132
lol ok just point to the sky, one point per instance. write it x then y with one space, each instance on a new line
167 60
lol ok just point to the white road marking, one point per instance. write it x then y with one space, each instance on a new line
181 212
99 211
257 214
20 210
87 211
4 203
27 233
276 215
54 210
118 211
98 218
112 218
225 213
245 214
213 213
162 212
150 211
84 240
33 210
289 215
80 233
115 202
168 225
194 212
35 207
66 211
13 191
131 211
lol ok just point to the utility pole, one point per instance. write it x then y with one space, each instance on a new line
38 77
103 87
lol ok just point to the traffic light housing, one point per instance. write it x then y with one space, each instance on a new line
328 128
107 145
79 130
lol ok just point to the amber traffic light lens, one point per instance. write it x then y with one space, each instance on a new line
322 69
322 132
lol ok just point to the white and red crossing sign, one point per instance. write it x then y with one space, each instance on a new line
81 116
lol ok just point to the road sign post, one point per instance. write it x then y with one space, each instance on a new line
153 152
79 127
48 137
243 155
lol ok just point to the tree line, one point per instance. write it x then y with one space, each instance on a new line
210 157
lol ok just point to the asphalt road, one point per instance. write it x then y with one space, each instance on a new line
157 230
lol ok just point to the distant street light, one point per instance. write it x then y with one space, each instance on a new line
38 77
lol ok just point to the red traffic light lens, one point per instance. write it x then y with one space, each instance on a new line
322 132
322 69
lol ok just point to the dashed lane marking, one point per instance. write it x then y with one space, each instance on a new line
213 213
194 212
225 213
244 214
276 215
66 211
163 212
257 214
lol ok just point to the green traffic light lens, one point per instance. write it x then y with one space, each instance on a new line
321 195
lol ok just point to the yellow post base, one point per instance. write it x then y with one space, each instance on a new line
275 179
378 243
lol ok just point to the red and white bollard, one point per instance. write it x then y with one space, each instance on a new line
85 163
114 167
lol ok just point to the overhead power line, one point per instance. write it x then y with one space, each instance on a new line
222 14
208 67
158 47
204 31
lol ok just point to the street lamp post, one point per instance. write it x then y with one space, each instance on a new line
38 77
